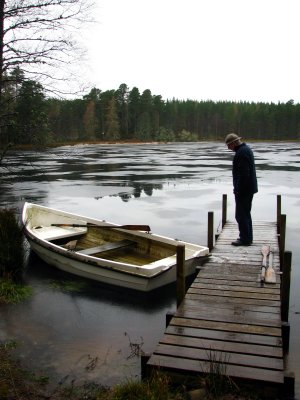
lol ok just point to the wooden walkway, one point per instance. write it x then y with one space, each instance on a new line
228 316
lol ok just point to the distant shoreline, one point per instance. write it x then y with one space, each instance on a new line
128 142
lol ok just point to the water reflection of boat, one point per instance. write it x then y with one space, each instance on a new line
102 251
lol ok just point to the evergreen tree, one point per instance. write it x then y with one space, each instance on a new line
112 131
31 122
134 107
121 96
158 110
90 120
145 121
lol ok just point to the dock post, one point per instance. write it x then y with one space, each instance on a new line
224 210
289 385
210 230
285 285
144 370
282 239
285 334
278 213
169 316
180 278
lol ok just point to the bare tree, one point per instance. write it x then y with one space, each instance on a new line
37 36
38 42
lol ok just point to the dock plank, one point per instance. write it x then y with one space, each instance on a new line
216 300
239 288
184 350
241 294
227 327
232 303
228 336
225 346
236 316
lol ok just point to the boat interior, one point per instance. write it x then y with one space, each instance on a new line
115 245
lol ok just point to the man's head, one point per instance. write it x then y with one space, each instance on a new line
232 141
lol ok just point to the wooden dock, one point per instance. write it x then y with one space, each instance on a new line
228 317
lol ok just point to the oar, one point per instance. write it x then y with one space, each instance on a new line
71 245
270 273
145 228
265 250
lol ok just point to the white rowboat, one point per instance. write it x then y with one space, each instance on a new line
104 251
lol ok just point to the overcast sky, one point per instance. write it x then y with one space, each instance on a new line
240 50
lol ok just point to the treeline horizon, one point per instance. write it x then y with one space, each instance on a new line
127 114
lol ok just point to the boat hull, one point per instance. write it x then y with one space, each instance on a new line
108 276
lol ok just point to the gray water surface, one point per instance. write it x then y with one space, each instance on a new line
97 332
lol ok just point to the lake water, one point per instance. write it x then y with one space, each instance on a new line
95 333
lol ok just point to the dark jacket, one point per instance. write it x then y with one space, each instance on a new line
243 171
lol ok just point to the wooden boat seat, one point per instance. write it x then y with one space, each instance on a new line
53 232
107 247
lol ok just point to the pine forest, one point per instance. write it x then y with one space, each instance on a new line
126 114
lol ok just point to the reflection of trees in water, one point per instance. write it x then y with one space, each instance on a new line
146 187
138 189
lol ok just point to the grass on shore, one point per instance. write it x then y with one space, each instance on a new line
12 293
11 245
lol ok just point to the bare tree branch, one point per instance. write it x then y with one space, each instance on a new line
41 32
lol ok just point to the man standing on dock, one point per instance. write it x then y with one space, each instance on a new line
244 187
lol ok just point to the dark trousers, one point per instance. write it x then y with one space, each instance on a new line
243 206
